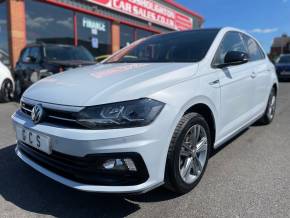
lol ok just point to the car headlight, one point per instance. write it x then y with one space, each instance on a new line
126 114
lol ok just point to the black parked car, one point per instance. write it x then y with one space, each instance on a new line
283 67
41 60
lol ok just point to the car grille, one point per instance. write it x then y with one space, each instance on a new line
87 169
56 117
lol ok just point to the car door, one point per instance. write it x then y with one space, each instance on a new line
236 87
259 74
20 72
27 68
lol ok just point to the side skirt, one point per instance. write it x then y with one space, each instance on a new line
236 132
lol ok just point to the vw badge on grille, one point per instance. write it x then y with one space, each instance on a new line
37 113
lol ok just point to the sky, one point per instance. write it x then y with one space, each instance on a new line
264 19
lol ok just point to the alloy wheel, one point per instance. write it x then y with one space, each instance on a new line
193 154
272 107
7 90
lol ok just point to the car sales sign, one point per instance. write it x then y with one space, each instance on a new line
151 11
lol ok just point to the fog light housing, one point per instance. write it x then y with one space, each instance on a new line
126 164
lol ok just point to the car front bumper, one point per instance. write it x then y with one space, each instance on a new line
142 188
150 143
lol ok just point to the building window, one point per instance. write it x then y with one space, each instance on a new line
142 33
49 24
94 34
127 35
130 34
4 57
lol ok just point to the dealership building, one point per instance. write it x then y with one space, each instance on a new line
102 26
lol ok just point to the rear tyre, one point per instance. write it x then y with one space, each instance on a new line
6 92
269 114
188 154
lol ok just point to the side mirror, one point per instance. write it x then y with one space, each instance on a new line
32 59
235 58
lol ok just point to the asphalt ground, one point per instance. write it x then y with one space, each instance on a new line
247 177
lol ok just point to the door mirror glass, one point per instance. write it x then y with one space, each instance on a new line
233 58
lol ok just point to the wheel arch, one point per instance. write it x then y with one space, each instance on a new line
275 86
205 111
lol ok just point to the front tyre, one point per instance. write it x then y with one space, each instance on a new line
188 154
271 108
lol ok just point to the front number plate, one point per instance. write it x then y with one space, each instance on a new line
38 141
285 73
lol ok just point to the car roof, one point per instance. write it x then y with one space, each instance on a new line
189 31
222 30
201 29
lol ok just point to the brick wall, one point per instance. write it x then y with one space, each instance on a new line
115 37
17 28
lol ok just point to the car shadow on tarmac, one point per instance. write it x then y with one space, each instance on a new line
33 192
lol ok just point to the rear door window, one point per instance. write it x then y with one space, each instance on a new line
254 50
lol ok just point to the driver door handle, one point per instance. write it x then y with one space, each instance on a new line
253 75
214 82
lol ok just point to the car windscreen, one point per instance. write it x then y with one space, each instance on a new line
284 60
187 46
67 53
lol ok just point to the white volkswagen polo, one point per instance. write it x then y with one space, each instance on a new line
149 115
